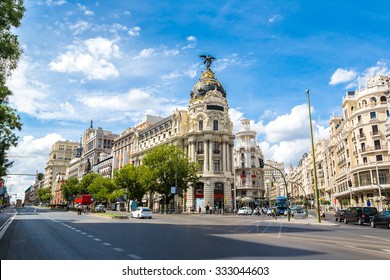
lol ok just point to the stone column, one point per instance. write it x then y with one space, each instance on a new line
205 156
210 155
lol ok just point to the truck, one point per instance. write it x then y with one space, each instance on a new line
84 199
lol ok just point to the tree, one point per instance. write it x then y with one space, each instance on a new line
44 194
129 178
85 182
101 188
168 167
11 14
70 189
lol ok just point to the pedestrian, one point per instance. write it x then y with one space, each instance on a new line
200 210
79 209
207 209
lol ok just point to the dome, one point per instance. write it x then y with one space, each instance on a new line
206 83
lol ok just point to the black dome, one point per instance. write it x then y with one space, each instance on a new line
206 83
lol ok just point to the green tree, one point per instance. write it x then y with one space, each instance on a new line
129 178
101 188
168 167
85 182
70 189
11 14
44 194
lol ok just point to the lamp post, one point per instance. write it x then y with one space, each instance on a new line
379 187
316 196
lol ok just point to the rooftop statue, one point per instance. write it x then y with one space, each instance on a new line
207 60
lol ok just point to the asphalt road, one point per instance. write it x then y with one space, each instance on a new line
42 234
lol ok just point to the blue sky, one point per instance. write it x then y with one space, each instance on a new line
113 62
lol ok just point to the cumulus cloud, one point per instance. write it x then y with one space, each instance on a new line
86 11
55 3
90 57
29 156
79 27
342 76
134 31
28 92
145 53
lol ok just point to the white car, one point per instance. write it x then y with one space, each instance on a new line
142 212
244 211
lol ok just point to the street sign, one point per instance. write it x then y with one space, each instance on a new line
173 190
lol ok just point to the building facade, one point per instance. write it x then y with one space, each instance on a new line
62 152
353 166
249 175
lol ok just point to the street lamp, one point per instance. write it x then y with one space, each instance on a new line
379 187
314 162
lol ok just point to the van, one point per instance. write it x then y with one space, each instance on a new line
359 214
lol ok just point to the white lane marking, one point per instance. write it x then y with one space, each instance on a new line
134 257
90 236
6 225
97 239
368 250
107 244
280 230
373 237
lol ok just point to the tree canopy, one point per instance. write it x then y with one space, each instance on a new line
11 14
167 167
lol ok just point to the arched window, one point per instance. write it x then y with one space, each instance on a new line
383 99
200 125
364 103
372 101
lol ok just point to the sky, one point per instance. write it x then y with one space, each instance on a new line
116 61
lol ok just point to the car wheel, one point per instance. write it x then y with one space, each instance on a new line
388 226
150 217
138 217
372 224
336 219
360 222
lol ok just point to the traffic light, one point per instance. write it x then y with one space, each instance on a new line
261 163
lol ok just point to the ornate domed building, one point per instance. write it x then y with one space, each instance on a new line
209 141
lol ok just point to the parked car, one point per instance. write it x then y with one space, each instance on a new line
339 215
359 214
142 212
245 211
381 218
100 208
297 210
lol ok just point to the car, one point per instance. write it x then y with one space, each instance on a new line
142 212
359 214
100 208
339 215
381 218
244 211
297 211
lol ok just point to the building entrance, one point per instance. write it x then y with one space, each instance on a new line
218 196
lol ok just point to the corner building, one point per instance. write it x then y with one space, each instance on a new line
204 133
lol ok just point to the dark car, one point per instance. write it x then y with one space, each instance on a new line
381 218
359 214
339 215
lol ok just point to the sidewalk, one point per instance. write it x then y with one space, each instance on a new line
310 220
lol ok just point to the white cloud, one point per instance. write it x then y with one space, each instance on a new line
381 67
86 11
91 57
79 27
145 53
191 38
55 3
294 125
28 92
274 18
342 76
29 156
134 31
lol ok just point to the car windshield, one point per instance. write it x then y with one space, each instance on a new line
145 209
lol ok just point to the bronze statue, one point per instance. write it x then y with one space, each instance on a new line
207 60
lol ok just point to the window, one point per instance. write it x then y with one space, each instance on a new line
215 147
379 158
201 125
377 144
363 145
200 147
373 115
200 167
359 118
216 165
375 130
215 125
361 134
